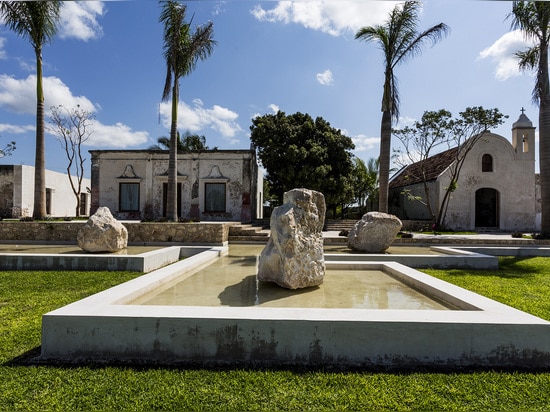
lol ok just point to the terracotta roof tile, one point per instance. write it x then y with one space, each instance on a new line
433 167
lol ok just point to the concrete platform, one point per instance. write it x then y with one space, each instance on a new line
142 262
480 333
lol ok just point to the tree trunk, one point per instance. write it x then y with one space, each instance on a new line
39 209
384 167
544 141
171 195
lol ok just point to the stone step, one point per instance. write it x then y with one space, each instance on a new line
247 230
337 225
248 239
247 233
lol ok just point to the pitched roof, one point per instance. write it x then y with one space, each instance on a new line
433 167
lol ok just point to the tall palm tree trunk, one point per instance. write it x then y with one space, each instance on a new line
39 209
171 195
544 144
384 173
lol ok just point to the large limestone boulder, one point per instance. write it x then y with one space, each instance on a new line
374 233
102 233
293 257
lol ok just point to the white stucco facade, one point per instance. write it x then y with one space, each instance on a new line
501 195
17 193
214 185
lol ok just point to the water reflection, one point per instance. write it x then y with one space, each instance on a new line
232 281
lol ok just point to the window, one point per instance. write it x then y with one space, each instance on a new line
487 163
214 197
49 200
83 204
129 197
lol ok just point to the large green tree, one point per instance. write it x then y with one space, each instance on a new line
35 21
298 151
183 48
399 40
533 19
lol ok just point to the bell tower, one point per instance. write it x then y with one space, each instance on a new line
523 137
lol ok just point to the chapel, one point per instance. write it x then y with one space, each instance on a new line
496 190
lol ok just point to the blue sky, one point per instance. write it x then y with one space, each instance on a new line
298 56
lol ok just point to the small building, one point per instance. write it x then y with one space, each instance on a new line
17 193
213 185
496 187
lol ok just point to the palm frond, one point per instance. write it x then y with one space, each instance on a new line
35 21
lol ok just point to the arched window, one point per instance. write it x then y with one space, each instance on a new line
487 163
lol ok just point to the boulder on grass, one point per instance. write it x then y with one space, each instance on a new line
374 233
293 257
102 233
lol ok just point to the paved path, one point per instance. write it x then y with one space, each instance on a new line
480 238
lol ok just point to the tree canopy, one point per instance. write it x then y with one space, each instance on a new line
190 143
35 21
298 151
183 48
399 40
533 19
8 149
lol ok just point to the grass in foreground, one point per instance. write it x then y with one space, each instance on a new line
25 296
523 283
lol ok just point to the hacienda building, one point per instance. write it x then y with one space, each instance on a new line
497 187
212 185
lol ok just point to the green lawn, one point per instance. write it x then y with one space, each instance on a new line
25 296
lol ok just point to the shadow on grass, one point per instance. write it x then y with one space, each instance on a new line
32 358
509 268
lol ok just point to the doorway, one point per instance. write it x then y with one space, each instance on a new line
487 208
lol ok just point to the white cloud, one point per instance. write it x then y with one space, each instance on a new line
219 8
332 17
406 121
502 53
79 19
19 95
2 50
196 118
117 136
275 108
325 78
16 129
363 142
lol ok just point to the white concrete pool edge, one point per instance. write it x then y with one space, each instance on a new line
102 328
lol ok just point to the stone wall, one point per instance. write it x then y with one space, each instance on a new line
66 232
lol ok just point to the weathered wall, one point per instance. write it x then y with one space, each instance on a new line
405 208
17 192
201 233
238 170
513 176
6 190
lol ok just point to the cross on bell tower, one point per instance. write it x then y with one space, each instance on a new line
523 137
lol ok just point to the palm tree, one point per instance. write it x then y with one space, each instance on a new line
182 50
398 38
190 143
373 166
35 21
533 18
